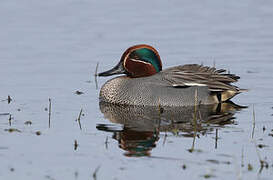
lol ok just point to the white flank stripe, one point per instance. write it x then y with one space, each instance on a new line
194 84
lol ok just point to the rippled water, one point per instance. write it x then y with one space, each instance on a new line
50 50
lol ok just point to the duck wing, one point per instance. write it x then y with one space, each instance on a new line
217 80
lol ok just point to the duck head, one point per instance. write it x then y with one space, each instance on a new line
137 61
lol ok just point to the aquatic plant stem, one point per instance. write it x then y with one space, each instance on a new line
242 157
95 173
96 75
79 119
49 113
195 119
9 99
263 163
106 142
10 120
216 139
253 117
160 111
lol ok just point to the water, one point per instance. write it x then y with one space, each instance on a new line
50 50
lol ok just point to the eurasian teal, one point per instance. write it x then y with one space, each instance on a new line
145 83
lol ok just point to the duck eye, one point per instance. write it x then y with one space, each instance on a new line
136 57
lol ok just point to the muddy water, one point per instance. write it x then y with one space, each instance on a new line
50 50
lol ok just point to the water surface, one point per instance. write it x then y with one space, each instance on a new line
50 50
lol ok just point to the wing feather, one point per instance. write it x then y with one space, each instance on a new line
194 75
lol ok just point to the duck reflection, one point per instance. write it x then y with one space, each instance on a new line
141 125
136 143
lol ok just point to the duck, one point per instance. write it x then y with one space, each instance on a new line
144 83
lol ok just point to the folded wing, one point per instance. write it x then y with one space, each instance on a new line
217 80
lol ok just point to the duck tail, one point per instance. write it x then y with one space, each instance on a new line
228 94
242 90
